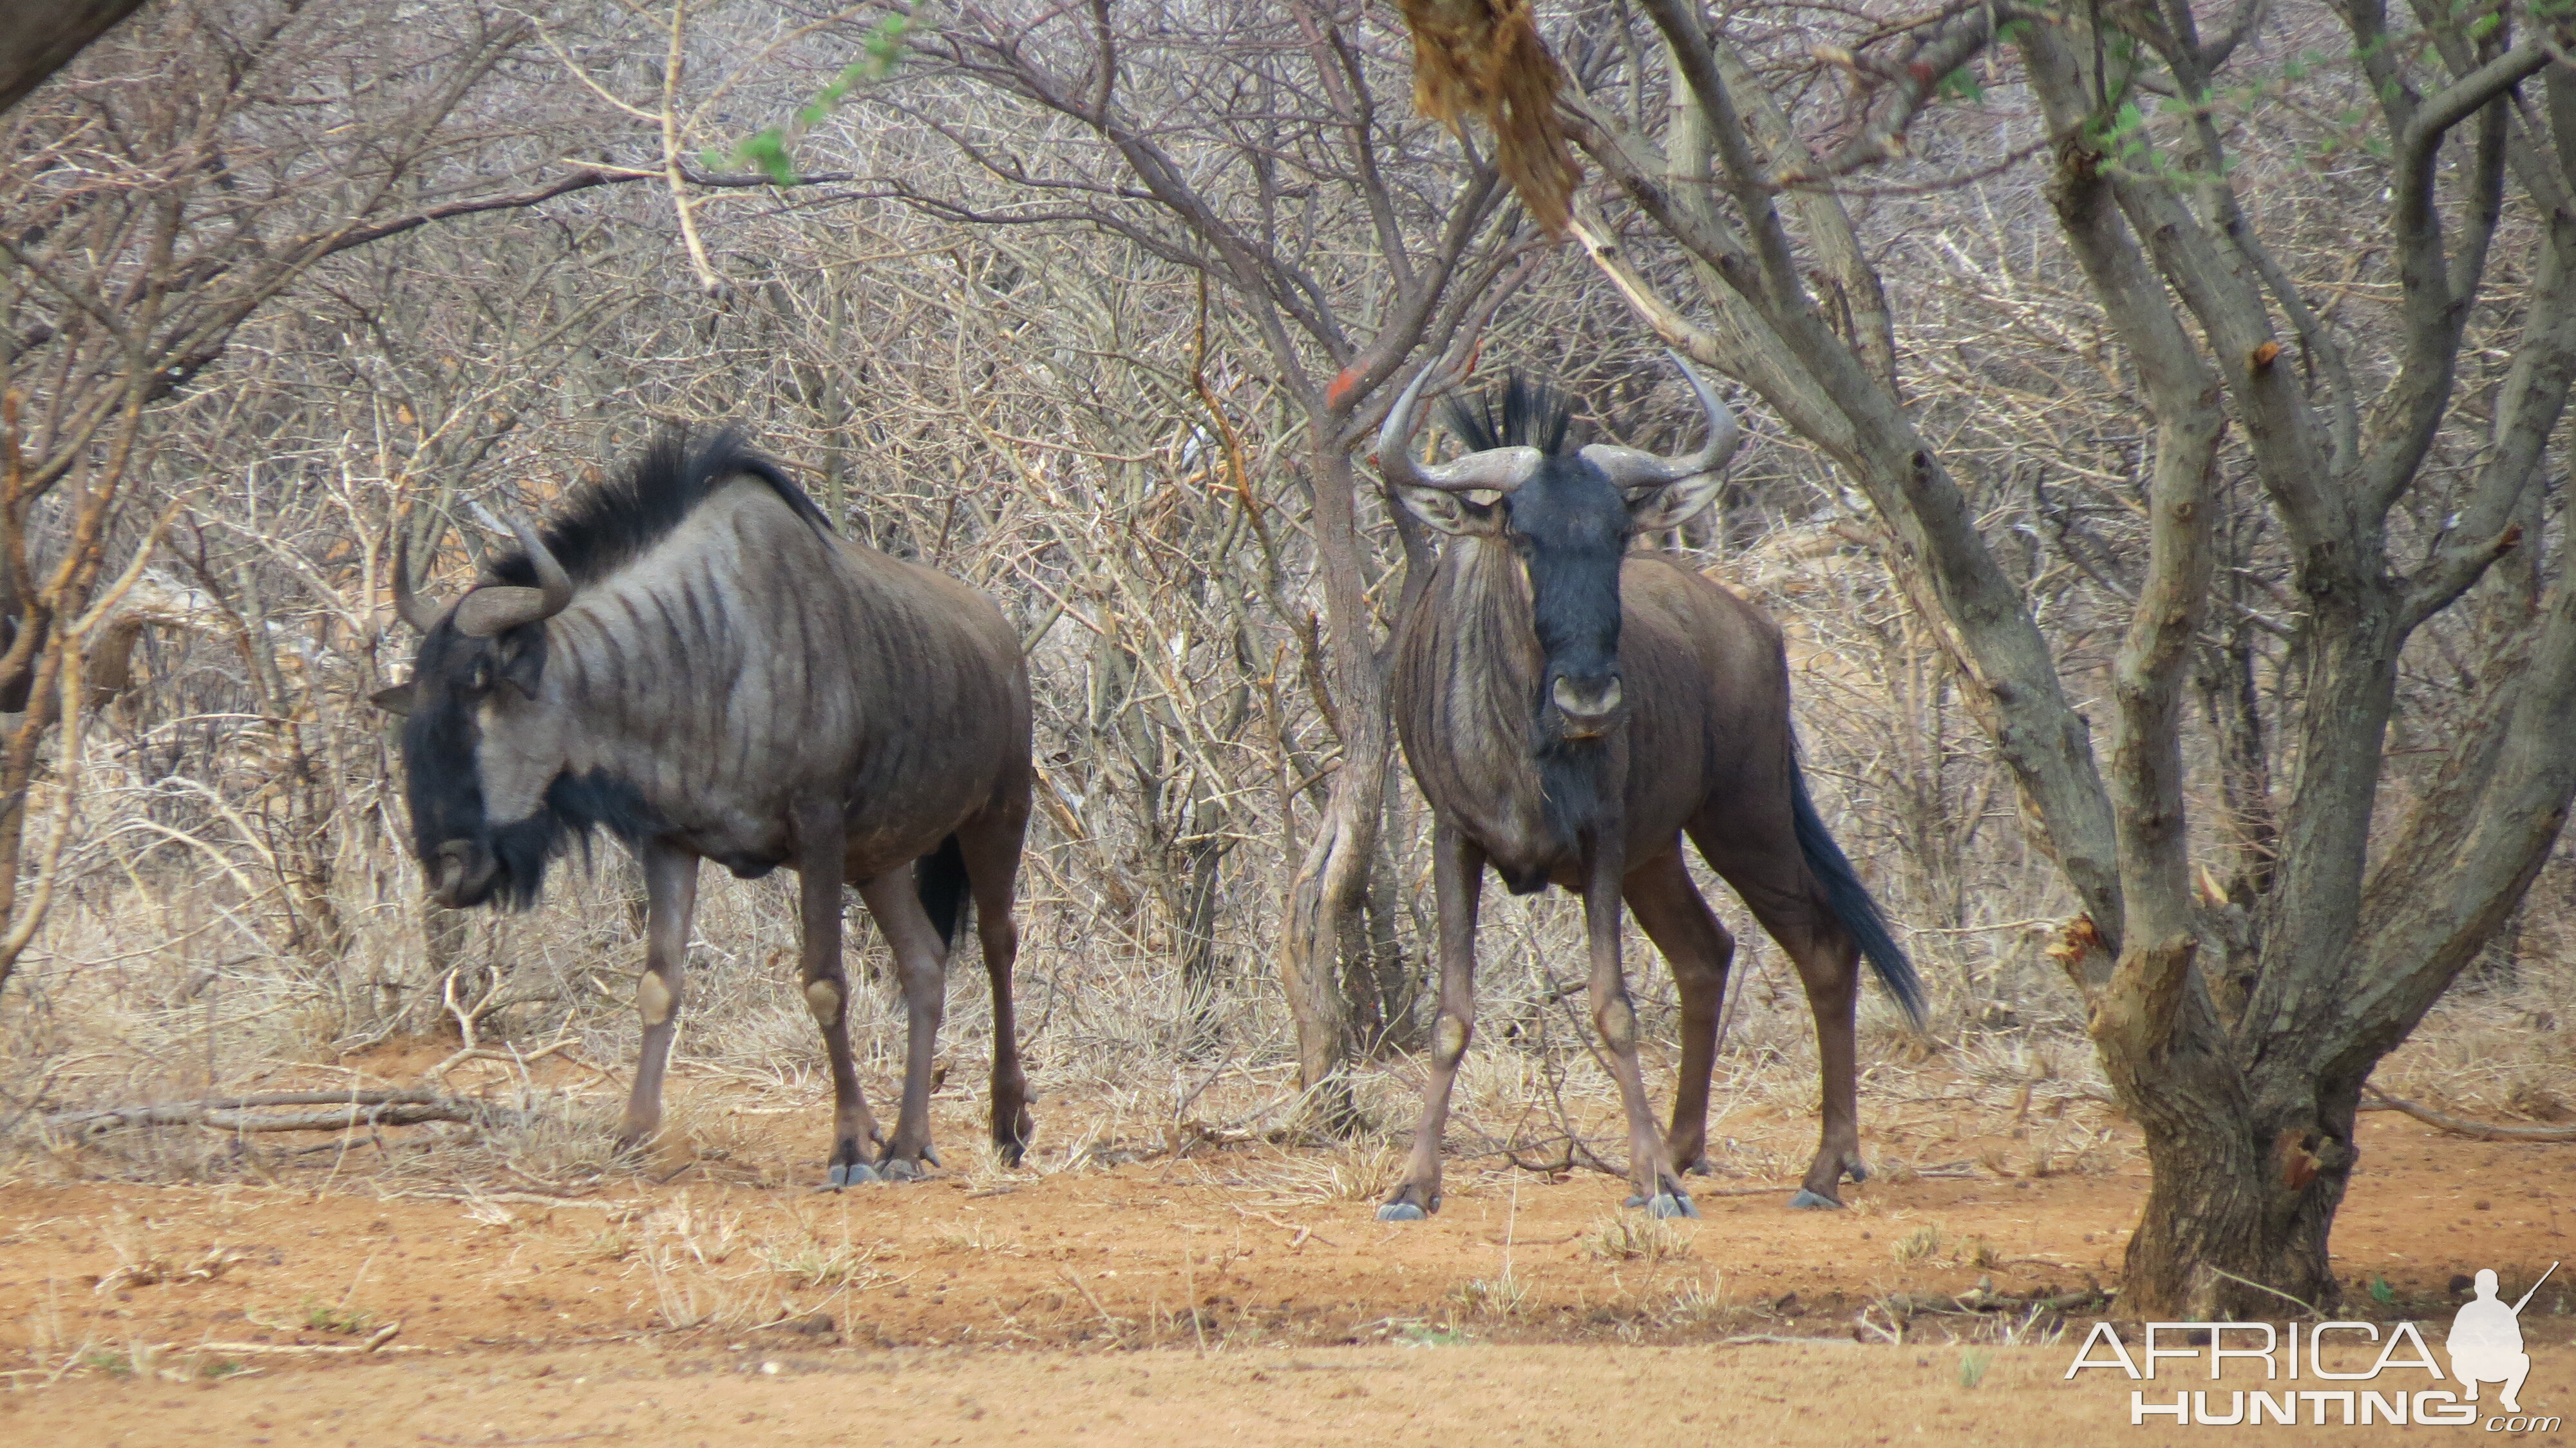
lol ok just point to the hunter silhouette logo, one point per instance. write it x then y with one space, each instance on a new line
2484 1347
2486 1341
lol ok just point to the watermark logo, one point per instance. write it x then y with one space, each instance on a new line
2484 1345
2486 1341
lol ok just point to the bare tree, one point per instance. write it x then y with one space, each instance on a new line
1223 142
203 170
2246 1091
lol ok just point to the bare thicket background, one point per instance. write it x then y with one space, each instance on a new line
284 280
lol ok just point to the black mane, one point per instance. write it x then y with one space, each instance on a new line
1522 414
604 526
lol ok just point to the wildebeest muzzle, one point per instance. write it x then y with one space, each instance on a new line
1588 709
463 874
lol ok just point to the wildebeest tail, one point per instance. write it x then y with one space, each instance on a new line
940 877
1850 902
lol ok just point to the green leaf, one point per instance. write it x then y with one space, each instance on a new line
767 151
2485 25
1960 85
2381 1292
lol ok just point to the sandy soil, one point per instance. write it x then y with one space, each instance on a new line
1793 1396
1238 1290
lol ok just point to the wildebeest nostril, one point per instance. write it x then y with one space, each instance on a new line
455 868
1585 703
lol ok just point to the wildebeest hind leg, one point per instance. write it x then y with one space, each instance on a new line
1765 868
1671 911
1829 966
821 847
671 895
921 965
991 846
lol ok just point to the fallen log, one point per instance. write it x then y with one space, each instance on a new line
2374 1098
340 1111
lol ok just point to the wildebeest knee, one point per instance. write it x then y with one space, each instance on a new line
1618 1023
655 999
1449 1042
823 998
925 986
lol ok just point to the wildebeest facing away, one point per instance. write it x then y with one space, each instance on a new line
689 659
1570 710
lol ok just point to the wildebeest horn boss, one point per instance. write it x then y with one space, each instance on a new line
1571 709
690 659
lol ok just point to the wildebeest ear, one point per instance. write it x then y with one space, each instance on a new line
1454 513
1673 504
399 699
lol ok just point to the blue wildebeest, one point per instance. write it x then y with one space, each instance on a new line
1571 709
689 659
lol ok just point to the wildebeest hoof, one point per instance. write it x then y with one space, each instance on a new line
1807 1201
1701 1167
1671 1204
1409 1204
1855 1170
899 1169
851 1174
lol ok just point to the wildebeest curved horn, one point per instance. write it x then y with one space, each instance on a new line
1632 468
496 608
1495 470
407 603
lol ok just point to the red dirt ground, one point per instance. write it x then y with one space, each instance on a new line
1058 1308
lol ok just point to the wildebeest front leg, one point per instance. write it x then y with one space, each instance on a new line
921 963
671 896
1676 917
822 847
1659 1189
1458 881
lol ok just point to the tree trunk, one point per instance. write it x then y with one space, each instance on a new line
1331 883
1393 985
1204 853
2238 1207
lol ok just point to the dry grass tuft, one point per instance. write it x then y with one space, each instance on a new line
1636 1237
1920 1245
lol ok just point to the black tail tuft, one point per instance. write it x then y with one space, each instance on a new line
1850 902
940 877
